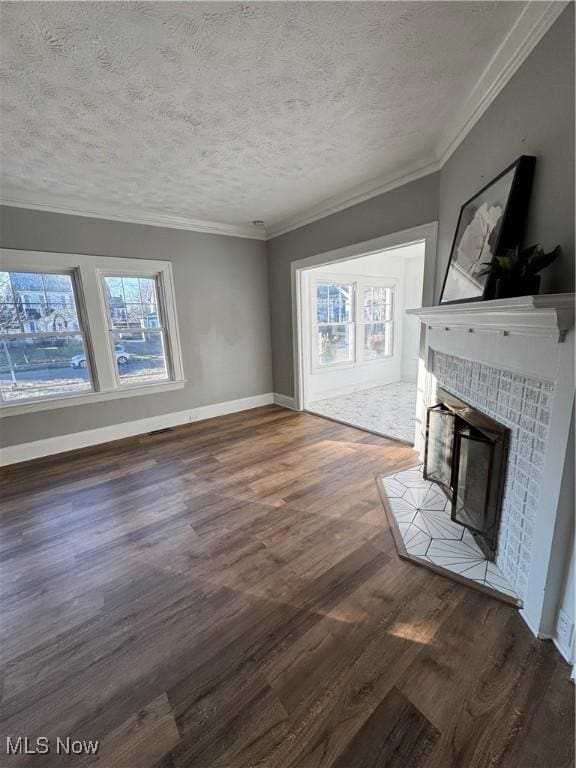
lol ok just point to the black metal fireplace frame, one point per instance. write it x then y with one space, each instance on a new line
489 431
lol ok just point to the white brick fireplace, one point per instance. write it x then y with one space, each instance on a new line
513 359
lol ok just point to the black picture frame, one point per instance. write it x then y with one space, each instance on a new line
487 234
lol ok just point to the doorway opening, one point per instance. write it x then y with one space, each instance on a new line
359 348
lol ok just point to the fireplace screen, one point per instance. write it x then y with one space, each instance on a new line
466 455
439 446
474 456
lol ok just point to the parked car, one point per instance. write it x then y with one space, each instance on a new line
122 357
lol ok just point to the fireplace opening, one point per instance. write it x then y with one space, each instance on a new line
466 454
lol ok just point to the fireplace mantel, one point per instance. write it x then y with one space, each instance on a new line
549 316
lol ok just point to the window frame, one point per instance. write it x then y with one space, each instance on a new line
162 312
359 284
318 367
92 312
83 332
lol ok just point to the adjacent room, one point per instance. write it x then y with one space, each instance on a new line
359 347
287 384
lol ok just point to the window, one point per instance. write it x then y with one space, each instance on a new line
139 353
77 328
378 322
41 337
335 326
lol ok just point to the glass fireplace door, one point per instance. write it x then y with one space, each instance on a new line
473 459
440 427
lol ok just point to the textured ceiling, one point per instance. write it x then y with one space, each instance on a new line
230 111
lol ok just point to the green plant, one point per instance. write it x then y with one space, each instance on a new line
517 264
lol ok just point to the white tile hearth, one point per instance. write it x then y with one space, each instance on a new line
389 410
422 512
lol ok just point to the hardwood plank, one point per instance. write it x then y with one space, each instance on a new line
143 739
396 735
227 594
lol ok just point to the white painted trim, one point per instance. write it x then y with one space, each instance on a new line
426 232
150 218
549 316
96 396
529 28
26 451
284 401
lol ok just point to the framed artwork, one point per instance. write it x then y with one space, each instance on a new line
489 223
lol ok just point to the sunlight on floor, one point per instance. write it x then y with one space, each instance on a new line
416 633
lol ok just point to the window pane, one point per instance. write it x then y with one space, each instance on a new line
43 367
26 282
135 315
322 311
322 303
335 344
339 303
9 319
131 289
378 304
148 293
114 288
37 303
61 284
140 356
132 302
377 340
368 301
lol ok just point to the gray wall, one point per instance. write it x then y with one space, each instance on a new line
533 114
407 206
222 301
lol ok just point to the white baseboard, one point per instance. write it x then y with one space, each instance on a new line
26 451
284 401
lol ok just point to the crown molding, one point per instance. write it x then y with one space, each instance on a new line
532 24
359 194
529 28
150 218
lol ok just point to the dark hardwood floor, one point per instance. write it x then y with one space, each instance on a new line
227 595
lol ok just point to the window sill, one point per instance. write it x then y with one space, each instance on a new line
53 403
